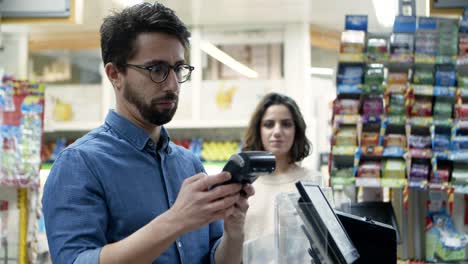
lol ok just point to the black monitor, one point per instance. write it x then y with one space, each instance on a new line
323 227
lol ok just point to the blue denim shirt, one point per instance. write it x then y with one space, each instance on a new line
110 183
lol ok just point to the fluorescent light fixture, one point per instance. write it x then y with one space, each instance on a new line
229 61
321 71
428 8
385 11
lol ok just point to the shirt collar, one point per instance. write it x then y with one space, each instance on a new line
133 133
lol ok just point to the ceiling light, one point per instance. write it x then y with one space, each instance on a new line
385 11
229 61
321 71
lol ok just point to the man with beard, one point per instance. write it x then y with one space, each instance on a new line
124 193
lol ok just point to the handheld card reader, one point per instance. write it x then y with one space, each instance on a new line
246 166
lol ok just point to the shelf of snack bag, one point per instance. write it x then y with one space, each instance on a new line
346 119
435 71
213 153
397 102
400 118
369 156
459 153
21 120
361 128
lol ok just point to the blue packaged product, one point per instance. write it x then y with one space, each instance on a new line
463 28
460 142
427 24
447 91
445 76
350 74
404 24
441 142
356 22
395 152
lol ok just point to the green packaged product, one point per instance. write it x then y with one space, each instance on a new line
397 104
397 99
342 173
396 109
463 91
374 75
442 122
396 120
447 49
462 81
373 88
423 76
443 109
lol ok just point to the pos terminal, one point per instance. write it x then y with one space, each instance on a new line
337 237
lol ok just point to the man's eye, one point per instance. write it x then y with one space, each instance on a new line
157 68
180 68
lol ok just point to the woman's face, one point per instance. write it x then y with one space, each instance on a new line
277 130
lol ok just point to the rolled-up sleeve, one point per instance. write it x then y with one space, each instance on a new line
74 210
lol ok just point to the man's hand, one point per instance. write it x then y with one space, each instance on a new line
230 247
235 216
198 205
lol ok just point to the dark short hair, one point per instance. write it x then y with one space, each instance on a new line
253 141
120 30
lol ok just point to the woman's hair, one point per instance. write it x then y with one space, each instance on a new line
120 30
253 141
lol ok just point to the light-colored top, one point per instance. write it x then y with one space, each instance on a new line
260 216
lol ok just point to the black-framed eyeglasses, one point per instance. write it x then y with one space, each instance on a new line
158 72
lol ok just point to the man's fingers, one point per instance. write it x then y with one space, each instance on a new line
222 191
206 182
195 178
224 203
242 204
248 190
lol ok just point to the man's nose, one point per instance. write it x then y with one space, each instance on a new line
171 81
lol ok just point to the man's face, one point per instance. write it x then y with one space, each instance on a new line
156 103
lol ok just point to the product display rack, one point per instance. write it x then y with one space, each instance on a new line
21 116
399 122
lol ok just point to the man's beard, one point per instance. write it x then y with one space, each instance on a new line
149 111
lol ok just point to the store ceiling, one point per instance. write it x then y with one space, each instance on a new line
326 14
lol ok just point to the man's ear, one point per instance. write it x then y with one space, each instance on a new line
113 74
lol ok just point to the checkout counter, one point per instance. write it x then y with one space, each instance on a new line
309 230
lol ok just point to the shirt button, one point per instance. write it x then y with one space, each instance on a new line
179 244
151 143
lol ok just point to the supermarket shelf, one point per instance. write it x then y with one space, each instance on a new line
87 126
19 183
70 126
368 182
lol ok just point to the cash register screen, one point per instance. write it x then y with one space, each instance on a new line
328 218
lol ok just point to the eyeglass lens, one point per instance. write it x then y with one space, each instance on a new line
159 72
